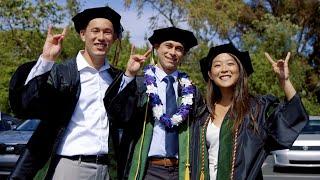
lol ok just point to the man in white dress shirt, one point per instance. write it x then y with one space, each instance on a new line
68 98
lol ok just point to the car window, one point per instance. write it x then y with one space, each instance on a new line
29 125
4 125
312 127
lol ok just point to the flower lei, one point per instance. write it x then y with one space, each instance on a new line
157 106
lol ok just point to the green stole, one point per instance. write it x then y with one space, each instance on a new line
225 149
224 154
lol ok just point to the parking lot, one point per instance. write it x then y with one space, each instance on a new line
288 173
285 174
11 142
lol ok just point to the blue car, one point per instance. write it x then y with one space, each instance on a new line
13 143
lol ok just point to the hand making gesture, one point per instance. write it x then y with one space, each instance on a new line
53 44
135 62
280 67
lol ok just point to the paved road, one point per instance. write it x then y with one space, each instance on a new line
284 174
288 173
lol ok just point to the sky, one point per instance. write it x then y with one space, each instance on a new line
138 27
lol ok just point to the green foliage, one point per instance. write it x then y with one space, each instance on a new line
275 27
211 17
71 44
275 36
257 26
191 65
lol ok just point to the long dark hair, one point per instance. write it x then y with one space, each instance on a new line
240 105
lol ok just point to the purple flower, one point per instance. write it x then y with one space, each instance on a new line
147 67
165 119
187 90
149 79
184 111
155 100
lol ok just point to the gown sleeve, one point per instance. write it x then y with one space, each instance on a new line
20 94
38 98
282 121
121 106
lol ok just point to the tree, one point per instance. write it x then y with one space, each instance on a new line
258 26
170 12
23 34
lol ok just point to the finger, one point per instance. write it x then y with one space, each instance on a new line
49 30
147 53
64 32
269 58
287 57
132 49
138 57
57 36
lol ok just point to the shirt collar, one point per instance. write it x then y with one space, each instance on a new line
82 63
160 74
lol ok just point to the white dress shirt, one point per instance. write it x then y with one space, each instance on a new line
88 130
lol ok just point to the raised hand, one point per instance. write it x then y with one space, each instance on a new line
280 67
53 45
135 62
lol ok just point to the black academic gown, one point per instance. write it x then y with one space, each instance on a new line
276 127
52 98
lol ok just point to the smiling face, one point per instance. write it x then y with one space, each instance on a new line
224 71
98 37
170 54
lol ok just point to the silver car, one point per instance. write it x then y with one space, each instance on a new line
305 151
13 143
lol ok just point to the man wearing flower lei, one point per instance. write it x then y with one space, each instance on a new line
157 110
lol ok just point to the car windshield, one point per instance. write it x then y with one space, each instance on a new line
313 127
29 125
4 125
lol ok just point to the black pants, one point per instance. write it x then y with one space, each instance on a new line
156 172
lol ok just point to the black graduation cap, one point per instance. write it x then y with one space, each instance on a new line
82 19
186 38
244 58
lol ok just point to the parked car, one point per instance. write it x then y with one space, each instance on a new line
13 143
8 122
305 151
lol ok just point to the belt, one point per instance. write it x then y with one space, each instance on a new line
167 162
98 159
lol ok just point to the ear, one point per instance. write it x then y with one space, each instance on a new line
209 74
115 36
82 32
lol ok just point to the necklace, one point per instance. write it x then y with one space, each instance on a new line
157 107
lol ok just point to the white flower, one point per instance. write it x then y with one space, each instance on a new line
151 89
157 111
185 82
187 99
149 72
176 119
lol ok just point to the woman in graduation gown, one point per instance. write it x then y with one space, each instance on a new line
238 130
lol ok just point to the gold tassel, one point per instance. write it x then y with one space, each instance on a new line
187 172
202 175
